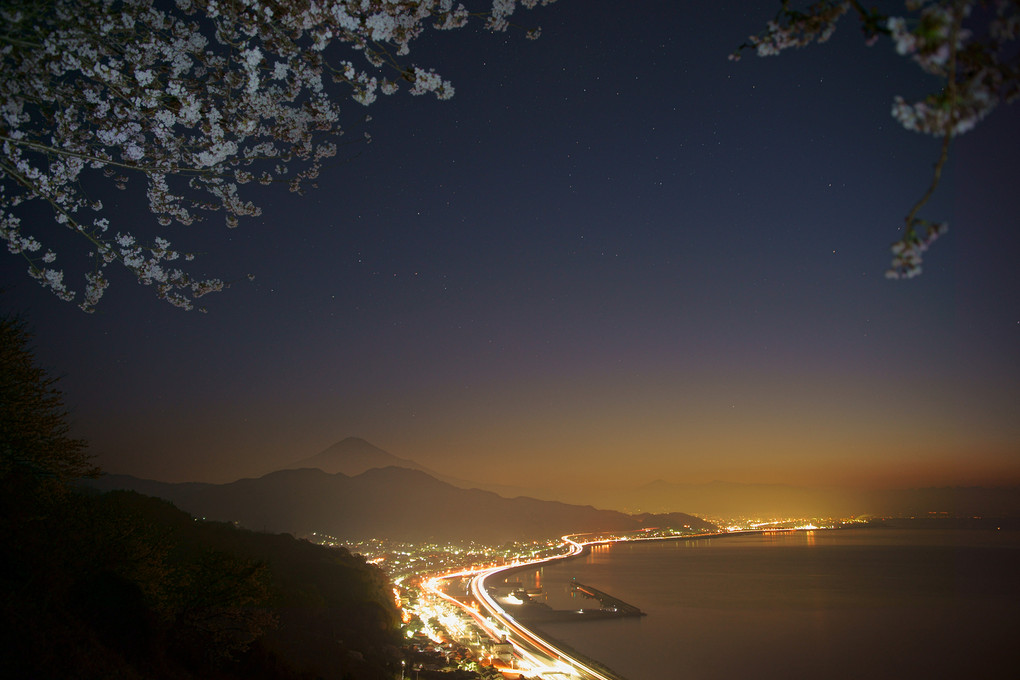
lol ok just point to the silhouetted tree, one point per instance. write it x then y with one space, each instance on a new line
35 447
222 607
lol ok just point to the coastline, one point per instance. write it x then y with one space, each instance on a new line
529 624
847 597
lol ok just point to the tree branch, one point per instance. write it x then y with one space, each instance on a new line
911 218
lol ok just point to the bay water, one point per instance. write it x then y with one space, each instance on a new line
849 603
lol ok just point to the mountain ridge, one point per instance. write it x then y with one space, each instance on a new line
735 499
392 502
354 457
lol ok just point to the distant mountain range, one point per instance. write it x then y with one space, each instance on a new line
726 499
391 502
355 490
716 499
354 455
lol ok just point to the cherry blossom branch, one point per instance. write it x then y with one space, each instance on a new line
45 148
196 95
908 251
978 67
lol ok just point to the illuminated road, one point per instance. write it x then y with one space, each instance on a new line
564 663
538 657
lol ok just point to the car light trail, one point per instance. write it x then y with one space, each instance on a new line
566 664
539 656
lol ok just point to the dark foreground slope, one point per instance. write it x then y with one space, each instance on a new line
394 503
122 585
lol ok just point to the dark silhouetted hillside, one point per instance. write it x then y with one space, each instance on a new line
121 585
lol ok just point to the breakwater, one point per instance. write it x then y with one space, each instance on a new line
609 604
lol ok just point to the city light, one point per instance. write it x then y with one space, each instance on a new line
444 603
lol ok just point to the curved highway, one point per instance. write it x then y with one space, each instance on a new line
544 657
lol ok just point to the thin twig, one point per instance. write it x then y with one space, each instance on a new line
45 148
948 137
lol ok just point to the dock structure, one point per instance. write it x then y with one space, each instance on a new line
608 602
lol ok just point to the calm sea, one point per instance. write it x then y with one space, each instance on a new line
859 603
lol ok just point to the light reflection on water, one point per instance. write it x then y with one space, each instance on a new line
877 603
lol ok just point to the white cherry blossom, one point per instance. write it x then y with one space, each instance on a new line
193 99
967 44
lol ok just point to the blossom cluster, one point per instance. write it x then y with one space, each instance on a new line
793 28
195 98
967 44
908 250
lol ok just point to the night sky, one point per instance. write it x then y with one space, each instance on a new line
614 256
